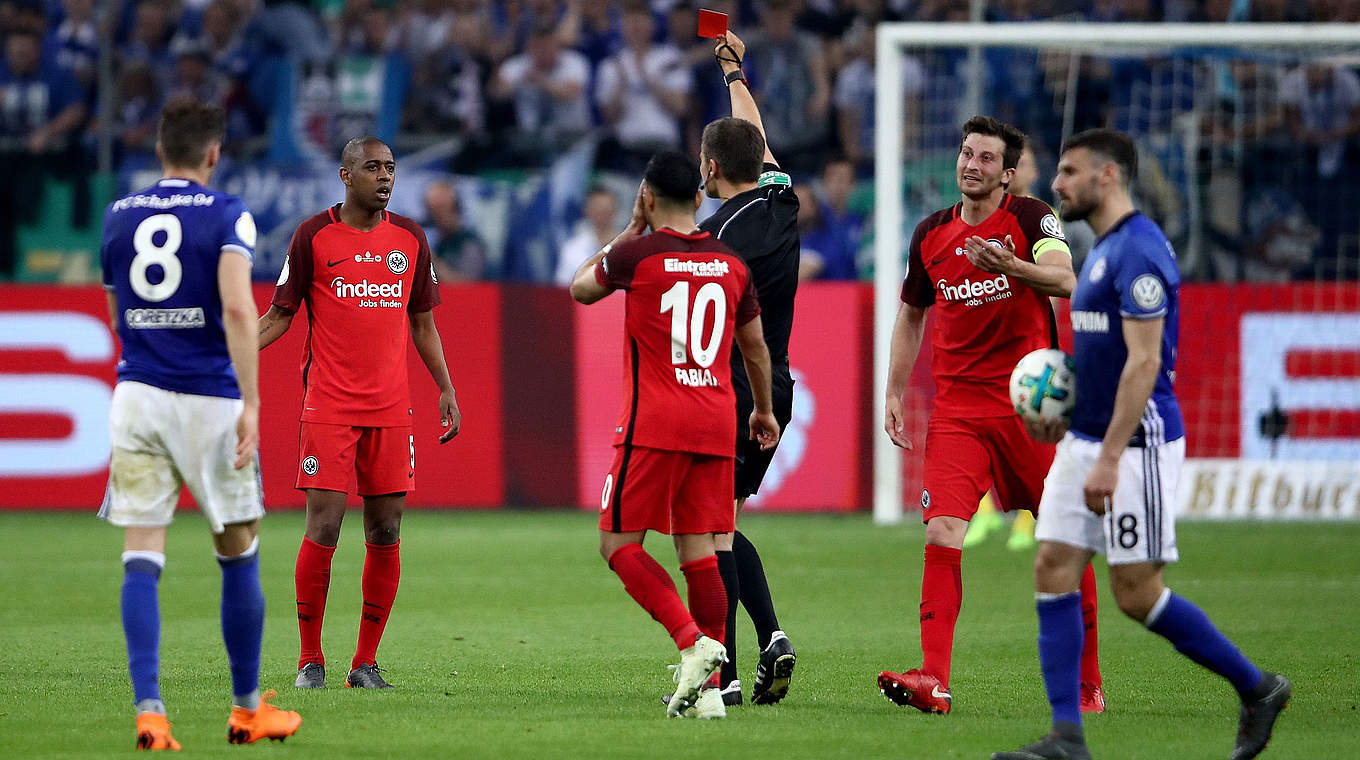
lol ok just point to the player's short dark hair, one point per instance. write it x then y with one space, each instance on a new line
1110 145
187 129
673 176
737 146
1012 137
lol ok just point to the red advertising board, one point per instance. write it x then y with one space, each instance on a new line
539 382
57 360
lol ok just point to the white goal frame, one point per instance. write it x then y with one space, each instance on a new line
890 245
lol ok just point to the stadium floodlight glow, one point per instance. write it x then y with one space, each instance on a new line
891 233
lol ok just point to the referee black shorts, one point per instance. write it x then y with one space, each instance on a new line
751 462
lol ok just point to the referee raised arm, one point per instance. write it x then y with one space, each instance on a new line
758 220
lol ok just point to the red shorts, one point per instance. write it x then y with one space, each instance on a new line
671 492
966 457
331 456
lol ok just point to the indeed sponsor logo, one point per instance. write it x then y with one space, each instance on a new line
365 289
714 268
974 291
1090 321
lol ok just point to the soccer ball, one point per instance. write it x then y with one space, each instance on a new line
1044 386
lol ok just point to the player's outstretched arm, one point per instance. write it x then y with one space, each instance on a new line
238 322
1051 273
431 350
908 331
273 325
1143 337
756 356
743 105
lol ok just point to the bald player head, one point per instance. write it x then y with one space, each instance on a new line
368 171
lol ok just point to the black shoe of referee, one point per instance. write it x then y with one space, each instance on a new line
774 671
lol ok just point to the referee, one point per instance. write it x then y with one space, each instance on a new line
757 220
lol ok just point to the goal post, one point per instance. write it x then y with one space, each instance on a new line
1208 49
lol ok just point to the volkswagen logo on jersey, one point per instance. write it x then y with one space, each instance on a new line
1147 292
309 466
397 263
1097 270
1050 226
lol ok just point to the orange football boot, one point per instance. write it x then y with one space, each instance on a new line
153 732
265 722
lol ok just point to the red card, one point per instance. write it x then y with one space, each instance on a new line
712 24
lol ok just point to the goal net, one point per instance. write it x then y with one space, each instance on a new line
1249 159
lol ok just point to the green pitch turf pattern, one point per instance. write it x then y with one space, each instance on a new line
510 638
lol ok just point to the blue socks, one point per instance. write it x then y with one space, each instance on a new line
1060 641
1192 633
243 623
142 626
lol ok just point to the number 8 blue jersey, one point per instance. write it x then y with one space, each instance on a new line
160 254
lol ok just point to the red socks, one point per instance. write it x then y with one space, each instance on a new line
941 595
312 579
707 596
652 588
1090 651
382 573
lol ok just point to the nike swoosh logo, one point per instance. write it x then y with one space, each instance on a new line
333 263
939 260
936 693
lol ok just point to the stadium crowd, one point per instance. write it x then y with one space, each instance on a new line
509 84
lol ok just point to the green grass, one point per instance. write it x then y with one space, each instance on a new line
510 638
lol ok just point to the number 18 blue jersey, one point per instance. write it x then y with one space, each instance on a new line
160 254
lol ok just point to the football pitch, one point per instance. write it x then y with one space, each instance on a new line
510 638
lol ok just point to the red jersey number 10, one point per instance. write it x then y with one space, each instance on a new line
687 332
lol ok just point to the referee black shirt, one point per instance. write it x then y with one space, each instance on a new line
761 225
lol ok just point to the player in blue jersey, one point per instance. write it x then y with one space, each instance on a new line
185 412
1112 485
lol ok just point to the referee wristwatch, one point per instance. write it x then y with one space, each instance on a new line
736 75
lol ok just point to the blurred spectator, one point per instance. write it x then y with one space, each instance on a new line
289 29
792 85
446 86
1322 107
423 27
547 86
593 27
136 111
459 255
194 77
833 233
642 91
76 43
152 30
597 228
707 99
854 98
40 113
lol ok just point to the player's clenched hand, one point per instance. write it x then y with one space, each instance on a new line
1046 432
895 425
449 416
988 256
765 429
247 435
1099 488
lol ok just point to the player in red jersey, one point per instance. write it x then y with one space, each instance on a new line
365 275
688 297
989 263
